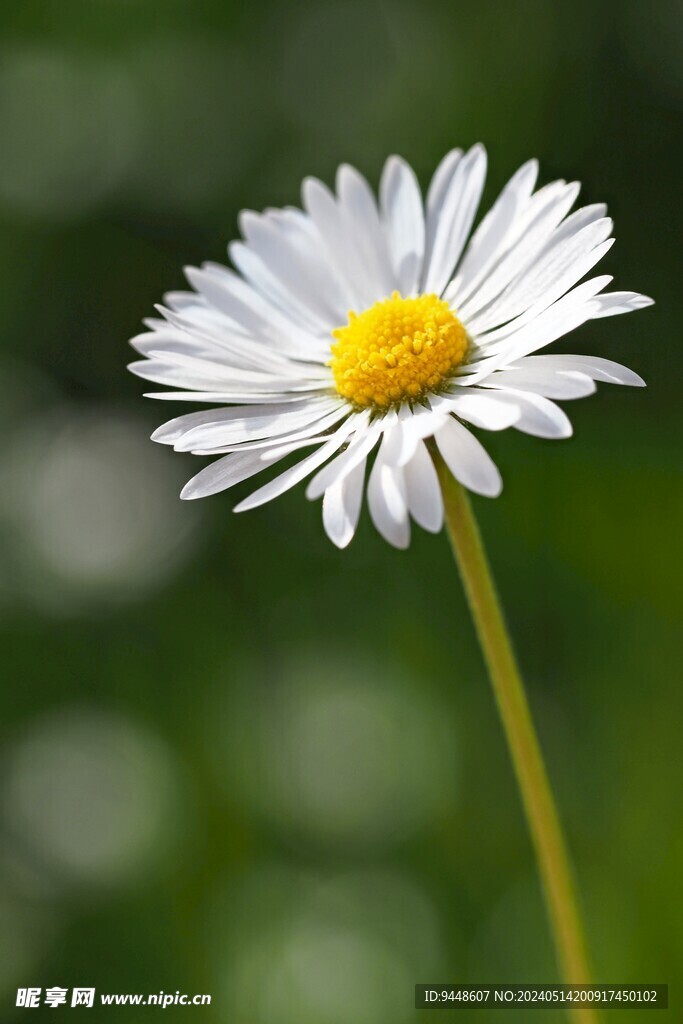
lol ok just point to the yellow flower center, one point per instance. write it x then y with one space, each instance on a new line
397 350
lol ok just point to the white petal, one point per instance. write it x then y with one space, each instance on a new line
178 427
164 372
468 460
224 343
591 366
539 416
455 217
222 474
231 294
481 409
227 342
246 427
401 205
177 300
357 203
187 343
295 255
393 439
209 327
438 190
197 366
335 229
551 383
175 370
543 283
227 397
387 503
568 313
576 221
423 493
403 432
357 451
415 423
276 366
341 506
314 432
171 340
543 213
489 239
264 280
295 474
614 303
285 446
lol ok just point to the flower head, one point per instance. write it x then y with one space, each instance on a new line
355 325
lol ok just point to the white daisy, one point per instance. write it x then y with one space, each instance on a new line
354 325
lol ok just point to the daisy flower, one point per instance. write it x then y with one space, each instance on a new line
365 329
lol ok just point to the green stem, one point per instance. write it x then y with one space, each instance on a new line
544 824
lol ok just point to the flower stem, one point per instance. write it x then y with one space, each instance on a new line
542 817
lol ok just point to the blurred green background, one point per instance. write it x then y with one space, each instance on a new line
236 760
